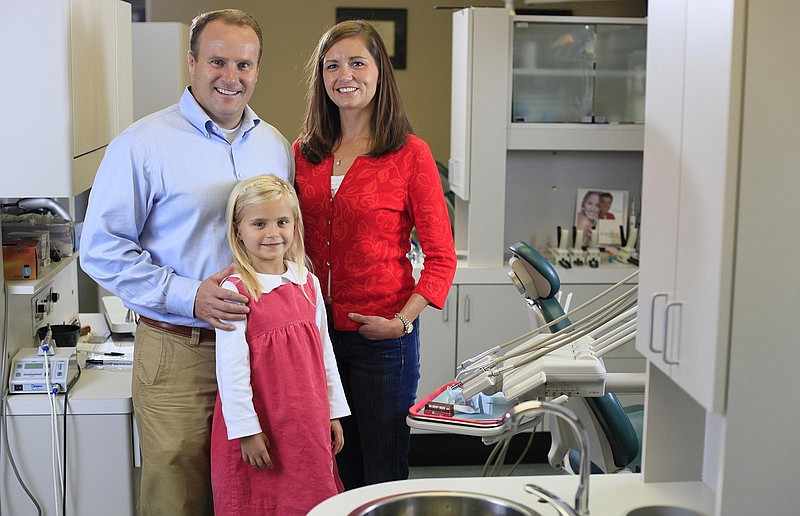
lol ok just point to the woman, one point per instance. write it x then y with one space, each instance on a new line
364 182
587 217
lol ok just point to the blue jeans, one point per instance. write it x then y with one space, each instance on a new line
380 381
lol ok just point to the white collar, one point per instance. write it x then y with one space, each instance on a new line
270 282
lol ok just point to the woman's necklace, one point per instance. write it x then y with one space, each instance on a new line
347 155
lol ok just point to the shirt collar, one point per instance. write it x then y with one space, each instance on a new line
198 117
270 282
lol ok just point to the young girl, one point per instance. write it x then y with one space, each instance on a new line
280 395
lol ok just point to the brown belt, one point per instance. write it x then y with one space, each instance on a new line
184 331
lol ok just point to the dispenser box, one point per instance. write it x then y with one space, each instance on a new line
20 260
42 235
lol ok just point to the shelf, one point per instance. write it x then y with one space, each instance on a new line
29 287
607 273
556 72
576 137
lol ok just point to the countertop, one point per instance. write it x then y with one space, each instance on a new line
98 390
609 495
607 273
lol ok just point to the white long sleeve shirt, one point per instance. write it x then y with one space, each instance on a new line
233 362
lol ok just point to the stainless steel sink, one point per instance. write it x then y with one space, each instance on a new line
442 503
663 510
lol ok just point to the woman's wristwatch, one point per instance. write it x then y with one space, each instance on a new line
407 326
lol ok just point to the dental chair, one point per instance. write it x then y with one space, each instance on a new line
614 433
559 361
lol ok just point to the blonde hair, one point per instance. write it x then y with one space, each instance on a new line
259 190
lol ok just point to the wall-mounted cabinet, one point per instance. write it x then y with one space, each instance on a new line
547 73
577 83
78 77
566 71
689 197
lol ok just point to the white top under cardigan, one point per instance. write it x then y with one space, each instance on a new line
233 362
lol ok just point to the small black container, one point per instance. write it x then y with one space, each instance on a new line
65 335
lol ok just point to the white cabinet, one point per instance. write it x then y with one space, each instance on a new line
475 318
98 472
484 141
98 449
489 315
689 195
479 107
438 345
78 82
568 70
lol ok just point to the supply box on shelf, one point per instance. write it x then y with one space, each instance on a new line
40 235
20 260
60 233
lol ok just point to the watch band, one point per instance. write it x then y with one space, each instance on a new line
407 326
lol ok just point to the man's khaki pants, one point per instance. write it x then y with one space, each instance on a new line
174 391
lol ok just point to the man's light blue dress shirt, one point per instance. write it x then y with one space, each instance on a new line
155 225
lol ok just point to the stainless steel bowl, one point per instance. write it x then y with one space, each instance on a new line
442 503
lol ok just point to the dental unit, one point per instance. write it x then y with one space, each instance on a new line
559 361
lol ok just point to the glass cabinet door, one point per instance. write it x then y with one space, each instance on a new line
578 72
620 73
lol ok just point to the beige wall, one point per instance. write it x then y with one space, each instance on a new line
292 27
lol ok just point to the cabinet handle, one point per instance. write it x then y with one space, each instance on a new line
652 318
669 307
467 310
453 174
446 311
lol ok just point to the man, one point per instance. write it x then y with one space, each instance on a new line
606 200
155 236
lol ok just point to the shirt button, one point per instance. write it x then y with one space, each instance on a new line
328 264
329 222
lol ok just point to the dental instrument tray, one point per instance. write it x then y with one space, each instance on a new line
431 413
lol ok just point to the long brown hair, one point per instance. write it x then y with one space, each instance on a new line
321 129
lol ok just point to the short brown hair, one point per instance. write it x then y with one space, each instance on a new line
228 16
321 129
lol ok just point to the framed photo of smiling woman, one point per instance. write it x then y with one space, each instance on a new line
390 24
